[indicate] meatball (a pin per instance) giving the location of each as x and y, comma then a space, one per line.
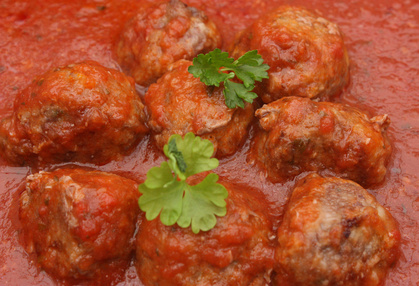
305, 52
82, 112
180, 103
335, 233
301, 135
79, 222
237, 251
160, 35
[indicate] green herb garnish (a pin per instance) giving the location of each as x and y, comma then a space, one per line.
211, 67
165, 192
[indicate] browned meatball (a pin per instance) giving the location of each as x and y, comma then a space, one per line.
237, 251
180, 103
160, 35
79, 222
306, 54
301, 135
82, 112
335, 233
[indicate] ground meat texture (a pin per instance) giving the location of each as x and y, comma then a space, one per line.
160, 35
305, 52
238, 251
300, 135
180, 103
335, 233
79, 222
81, 112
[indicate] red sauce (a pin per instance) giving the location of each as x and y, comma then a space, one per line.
382, 37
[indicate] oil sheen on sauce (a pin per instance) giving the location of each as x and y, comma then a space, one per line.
382, 37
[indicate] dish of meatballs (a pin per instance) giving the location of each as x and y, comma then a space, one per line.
191, 142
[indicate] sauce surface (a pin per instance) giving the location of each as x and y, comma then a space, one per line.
382, 37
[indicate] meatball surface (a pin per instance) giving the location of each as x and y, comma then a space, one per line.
301, 135
180, 103
160, 35
79, 222
237, 251
81, 112
335, 233
305, 52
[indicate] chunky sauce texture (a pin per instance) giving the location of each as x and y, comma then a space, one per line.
382, 37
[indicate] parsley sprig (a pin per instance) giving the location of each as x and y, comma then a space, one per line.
211, 68
165, 192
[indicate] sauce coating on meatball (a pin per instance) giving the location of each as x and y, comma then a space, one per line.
78, 222
299, 135
237, 251
180, 103
305, 52
335, 233
161, 35
81, 112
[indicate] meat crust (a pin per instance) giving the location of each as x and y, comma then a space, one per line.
79, 223
81, 112
305, 52
237, 251
299, 135
160, 35
180, 103
335, 233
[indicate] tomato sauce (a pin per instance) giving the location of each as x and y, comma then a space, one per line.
382, 37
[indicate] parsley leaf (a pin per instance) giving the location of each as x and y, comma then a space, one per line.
165, 192
235, 93
201, 203
211, 68
250, 68
195, 151
206, 67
